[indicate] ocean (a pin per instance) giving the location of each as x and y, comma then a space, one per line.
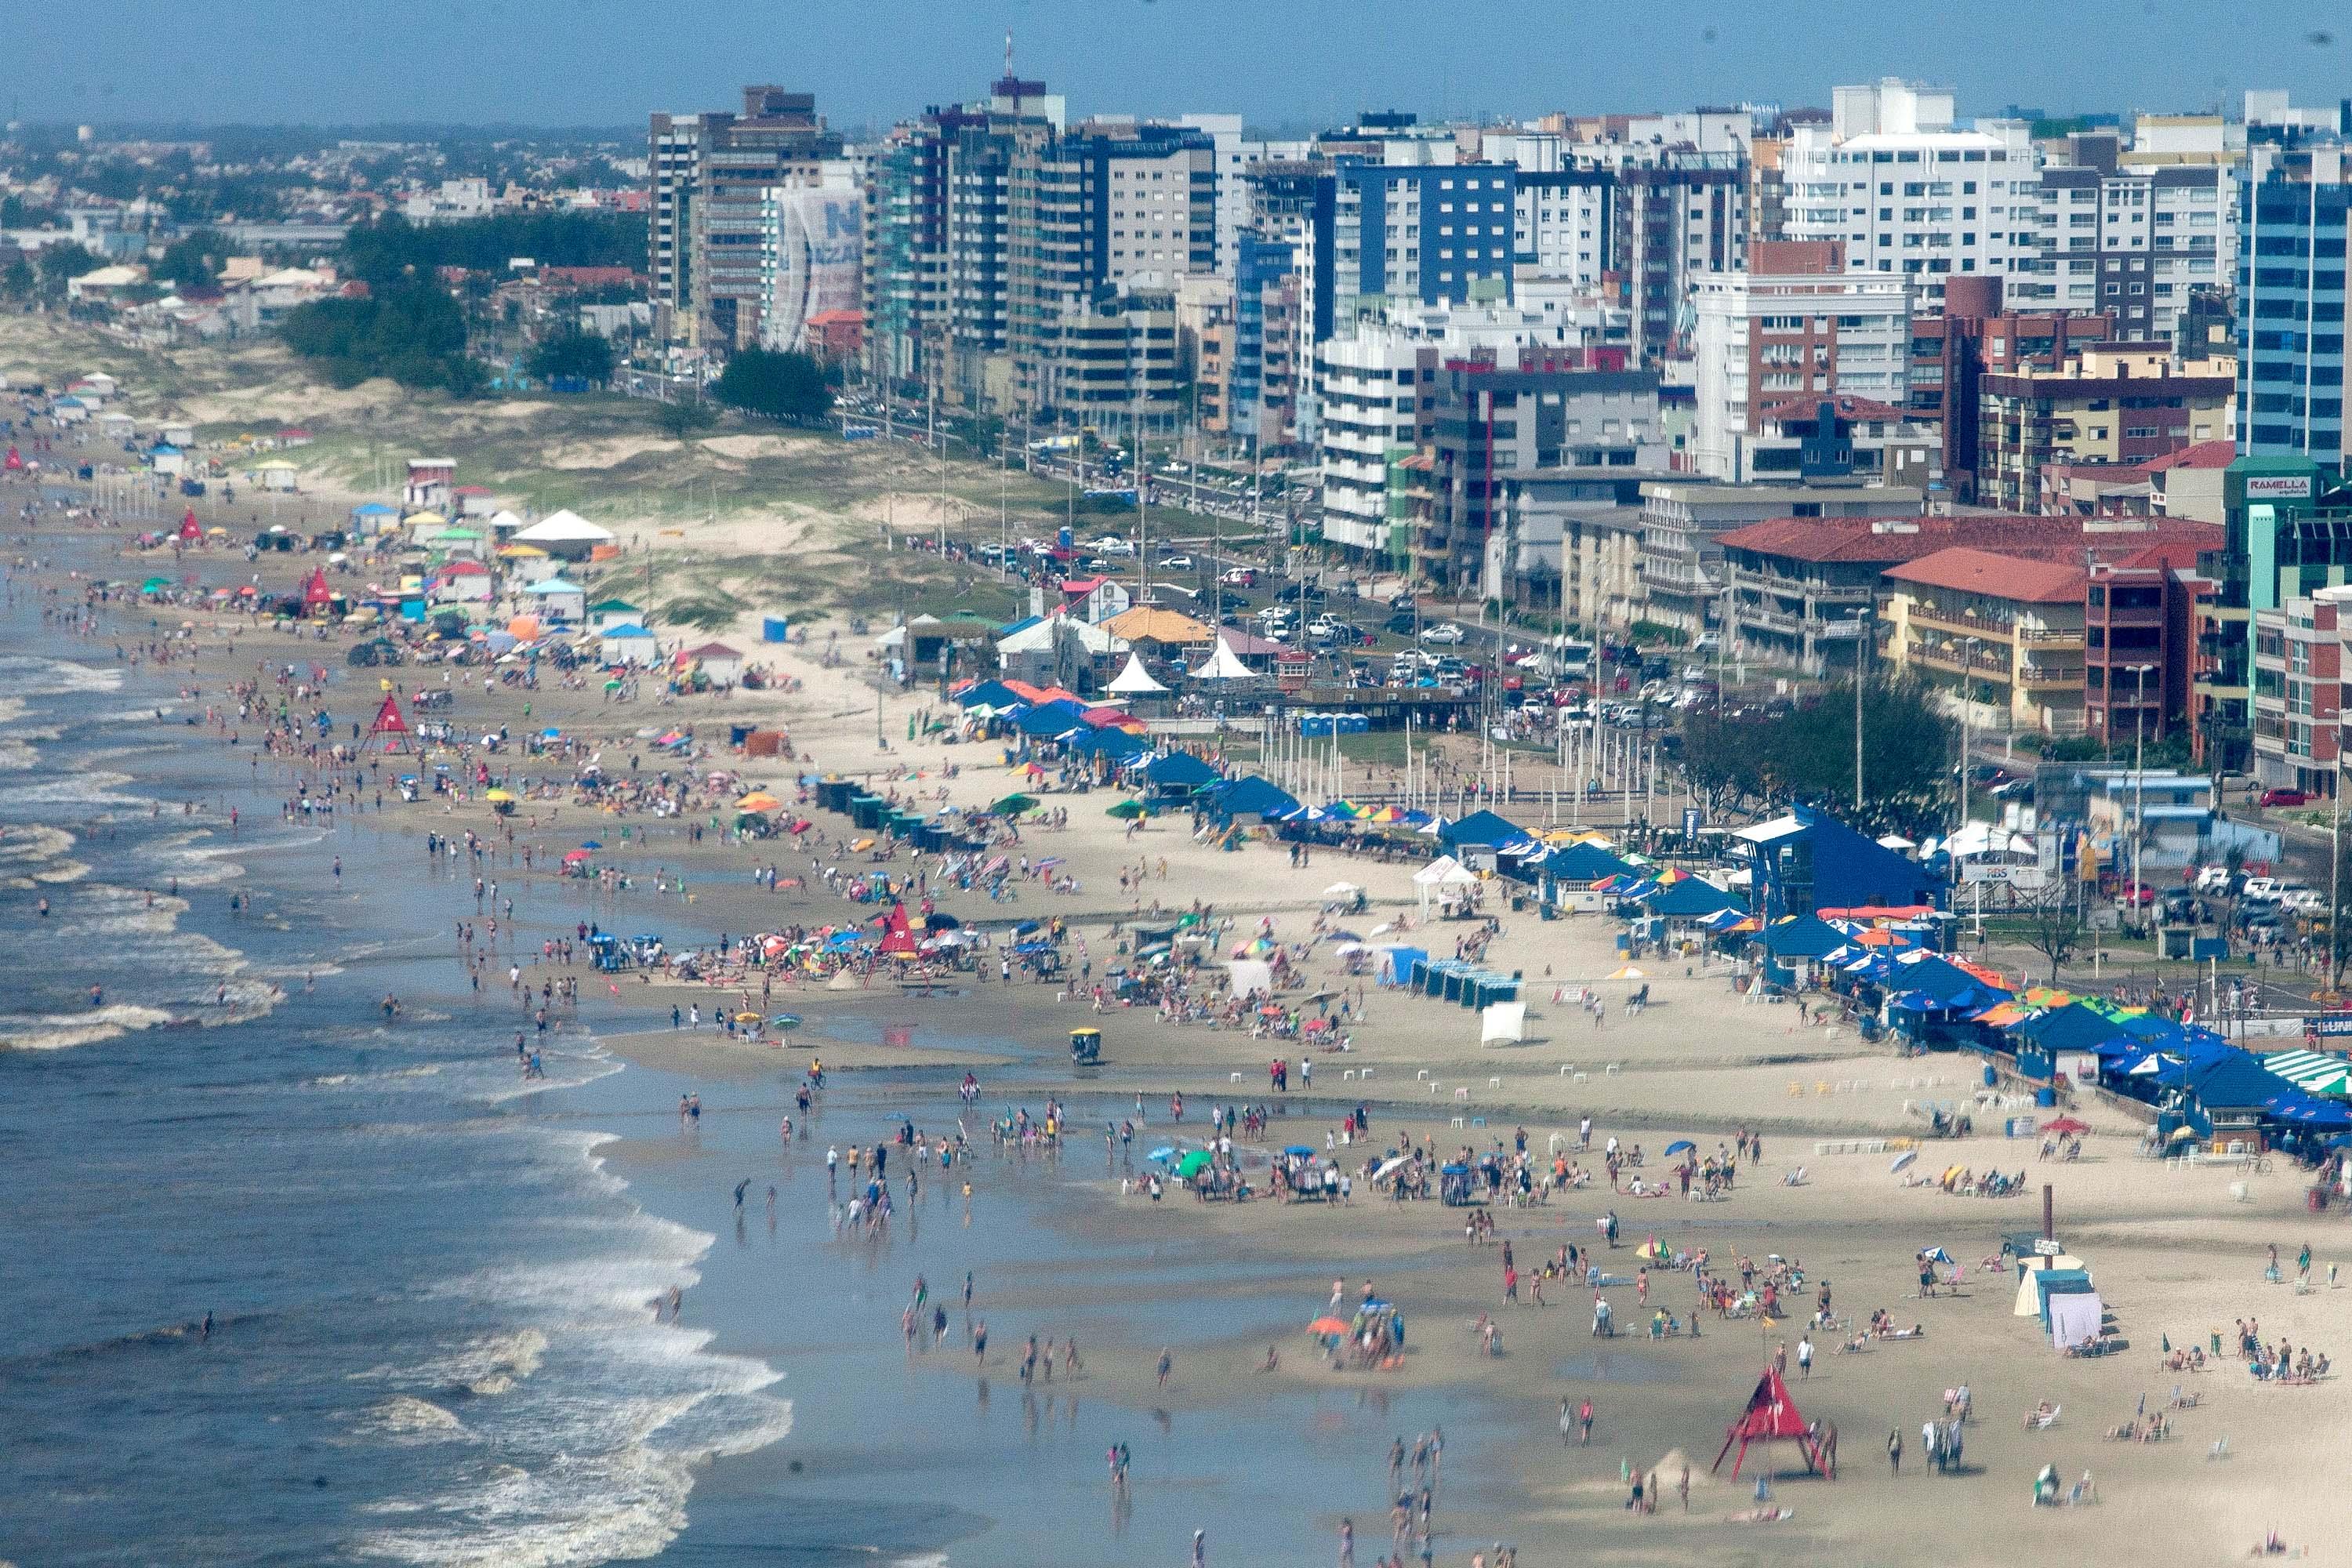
431, 1284
431, 1339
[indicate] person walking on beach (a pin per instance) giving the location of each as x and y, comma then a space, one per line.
1200, 1548
1167, 1365
1347, 1529
1895, 1451
1584, 1424
1804, 1358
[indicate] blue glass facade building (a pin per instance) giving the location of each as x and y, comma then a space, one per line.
2291, 300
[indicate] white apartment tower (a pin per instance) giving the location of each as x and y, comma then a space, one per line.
1910, 195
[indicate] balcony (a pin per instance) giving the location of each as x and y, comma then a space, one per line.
2049, 676
1957, 661
1784, 622
1969, 623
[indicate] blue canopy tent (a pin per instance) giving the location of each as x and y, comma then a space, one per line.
1176, 775
1934, 992
1690, 898
1049, 720
1584, 863
1485, 829
990, 694
1805, 936
2041, 1039
1248, 798
2232, 1091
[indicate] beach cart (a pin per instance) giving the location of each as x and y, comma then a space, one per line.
1086, 1047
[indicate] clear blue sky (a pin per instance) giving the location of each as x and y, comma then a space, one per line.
1277, 61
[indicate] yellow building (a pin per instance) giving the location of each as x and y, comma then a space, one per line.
2002, 633
2122, 404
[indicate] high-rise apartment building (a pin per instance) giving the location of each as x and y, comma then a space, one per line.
2135, 239
1675, 221
2291, 299
1103, 220
1909, 192
938, 246
1424, 233
1796, 327
709, 175
1976, 336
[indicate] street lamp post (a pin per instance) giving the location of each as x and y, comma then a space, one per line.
1968, 701
2139, 771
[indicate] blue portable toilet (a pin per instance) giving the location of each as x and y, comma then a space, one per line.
774, 628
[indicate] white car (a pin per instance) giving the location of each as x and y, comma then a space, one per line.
2212, 879
1444, 632
1112, 544
2260, 889
1177, 563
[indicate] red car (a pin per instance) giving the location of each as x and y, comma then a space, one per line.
2285, 797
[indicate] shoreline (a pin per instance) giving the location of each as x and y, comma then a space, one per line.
1697, 1063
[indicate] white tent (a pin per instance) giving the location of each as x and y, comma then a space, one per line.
506, 521
1223, 665
1252, 975
2074, 1318
1981, 838
1503, 1021
565, 527
1135, 680
1444, 871
1040, 636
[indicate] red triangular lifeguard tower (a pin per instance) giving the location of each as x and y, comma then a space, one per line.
897, 934
317, 597
389, 724
1772, 1417
190, 532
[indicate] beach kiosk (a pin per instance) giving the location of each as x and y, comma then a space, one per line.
1086, 1047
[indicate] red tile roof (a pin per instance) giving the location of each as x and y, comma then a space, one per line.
2012, 577
1807, 405
2202, 455
1895, 539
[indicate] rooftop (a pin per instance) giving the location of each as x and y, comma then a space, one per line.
1898, 539
2014, 577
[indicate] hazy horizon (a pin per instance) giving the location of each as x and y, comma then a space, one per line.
592, 66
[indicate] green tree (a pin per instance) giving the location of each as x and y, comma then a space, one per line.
413, 333
681, 422
17, 281
193, 260
60, 263
1806, 755
573, 353
787, 386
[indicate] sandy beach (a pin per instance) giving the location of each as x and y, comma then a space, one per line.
2178, 1253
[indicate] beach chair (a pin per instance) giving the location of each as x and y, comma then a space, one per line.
2042, 1420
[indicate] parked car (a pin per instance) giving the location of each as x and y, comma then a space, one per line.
1176, 563
2271, 797
2260, 889
1444, 632
1402, 623
2212, 879
1239, 577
